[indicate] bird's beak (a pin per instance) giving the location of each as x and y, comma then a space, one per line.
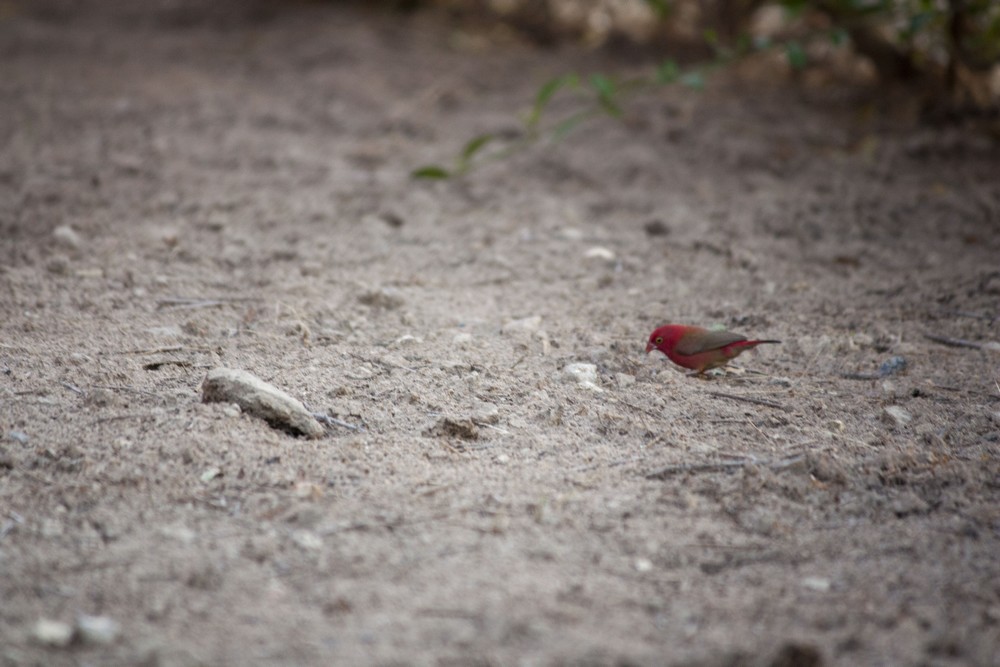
649, 347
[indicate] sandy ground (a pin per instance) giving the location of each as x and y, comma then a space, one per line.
236, 193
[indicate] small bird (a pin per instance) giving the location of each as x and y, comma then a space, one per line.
697, 348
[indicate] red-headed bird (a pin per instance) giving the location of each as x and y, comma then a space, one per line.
697, 348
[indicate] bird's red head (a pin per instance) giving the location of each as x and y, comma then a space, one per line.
664, 338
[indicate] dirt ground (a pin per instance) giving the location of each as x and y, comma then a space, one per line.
181, 191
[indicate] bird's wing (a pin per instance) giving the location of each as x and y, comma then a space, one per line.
704, 341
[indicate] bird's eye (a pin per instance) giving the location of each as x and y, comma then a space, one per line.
659, 339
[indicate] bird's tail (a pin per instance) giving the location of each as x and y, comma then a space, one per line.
762, 342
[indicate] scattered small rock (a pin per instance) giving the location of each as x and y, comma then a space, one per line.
385, 298
462, 339
58, 265
100, 398
643, 565
67, 237
656, 228
897, 415
258, 398
96, 630
307, 540
231, 410
891, 366
794, 654
392, 219
210, 474
600, 253
820, 584
179, 533
528, 324
465, 429
18, 437
624, 379
79, 359
583, 374
908, 502
52, 633
405, 340
824, 468
485, 413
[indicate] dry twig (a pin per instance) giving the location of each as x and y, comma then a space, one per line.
749, 399
722, 466
954, 342
327, 420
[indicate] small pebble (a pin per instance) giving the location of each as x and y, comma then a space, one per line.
583, 374
891, 366
600, 253
570, 234
385, 298
908, 502
624, 379
462, 339
656, 228
52, 633
307, 540
643, 565
524, 324
57, 264
97, 630
179, 533
485, 413
821, 584
67, 237
897, 415
405, 340
19, 437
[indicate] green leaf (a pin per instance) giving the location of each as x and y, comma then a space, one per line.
474, 146
668, 72
606, 93
431, 172
838, 36
796, 55
660, 7
918, 22
545, 93
794, 8
610, 107
693, 80
568, 125
604, 86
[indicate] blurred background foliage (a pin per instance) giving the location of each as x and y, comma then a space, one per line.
946, 51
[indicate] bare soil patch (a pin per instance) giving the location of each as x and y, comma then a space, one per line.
177, 195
